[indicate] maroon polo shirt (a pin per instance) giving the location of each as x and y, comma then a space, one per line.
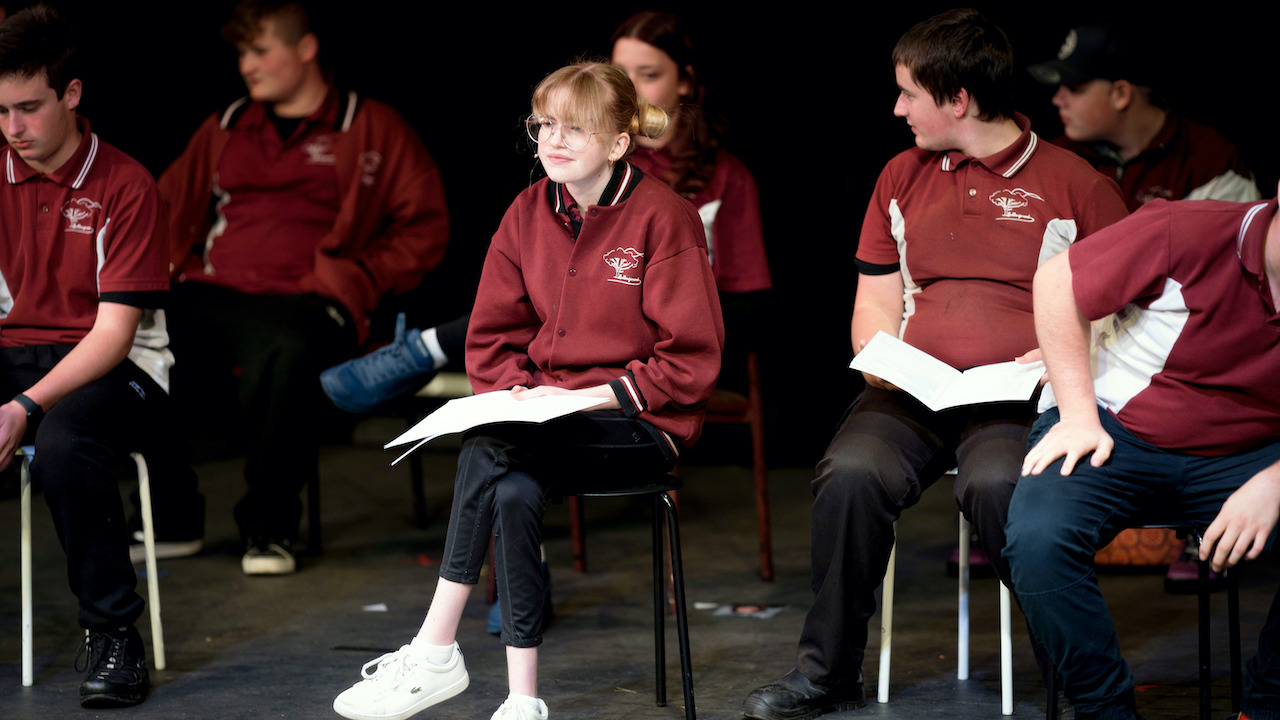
1190, 359
80, 235
276, 199
967, 234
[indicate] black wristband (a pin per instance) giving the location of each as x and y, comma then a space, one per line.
34, 411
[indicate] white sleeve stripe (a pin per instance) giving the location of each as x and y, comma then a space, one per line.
675, 449
100, 245
636, 398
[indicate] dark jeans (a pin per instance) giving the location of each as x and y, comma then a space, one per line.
1057, 523
888, 451
82, 442
267, 351
505, 473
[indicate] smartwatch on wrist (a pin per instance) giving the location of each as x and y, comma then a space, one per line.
34, 411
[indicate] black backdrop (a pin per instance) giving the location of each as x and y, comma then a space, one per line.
810, 92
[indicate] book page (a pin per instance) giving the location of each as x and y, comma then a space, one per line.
917, 372
462, 414
938, 385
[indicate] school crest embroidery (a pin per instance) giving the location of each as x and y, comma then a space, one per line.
625, 264
319, 150
1011, 201
81, 214
370, 161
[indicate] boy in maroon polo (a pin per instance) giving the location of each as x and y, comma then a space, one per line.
78, 264
1162, 339
322, 202
952, 237
1113, 116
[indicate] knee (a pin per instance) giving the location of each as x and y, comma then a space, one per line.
859, 471
517, 495
1040, 538
987, 487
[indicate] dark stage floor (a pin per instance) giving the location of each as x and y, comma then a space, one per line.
242, 647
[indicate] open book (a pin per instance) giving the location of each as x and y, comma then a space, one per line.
940, 386
465, 413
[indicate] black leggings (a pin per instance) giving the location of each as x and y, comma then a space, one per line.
505, 473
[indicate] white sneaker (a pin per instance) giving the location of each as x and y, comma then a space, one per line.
520, 709
400, 684
269, 558
165, 549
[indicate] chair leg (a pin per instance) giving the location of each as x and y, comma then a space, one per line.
153, 576
1233, 621
28, 673
577, 534
886, 626
682, 617
962, 619
659, 615
1203, 613
1006, 650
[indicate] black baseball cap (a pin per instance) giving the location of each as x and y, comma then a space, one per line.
1090, 52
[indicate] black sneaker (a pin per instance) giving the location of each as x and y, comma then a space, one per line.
117, 664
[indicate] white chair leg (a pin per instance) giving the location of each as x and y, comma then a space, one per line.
153, 578
28, 674
962, 619
1006, 650
886, 625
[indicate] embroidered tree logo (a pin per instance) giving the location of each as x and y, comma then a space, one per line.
1011, 200
622, 261
78, 210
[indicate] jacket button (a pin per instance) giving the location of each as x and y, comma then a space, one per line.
560, 333
572, 272
594, 212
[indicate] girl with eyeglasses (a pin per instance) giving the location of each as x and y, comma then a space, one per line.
597, 284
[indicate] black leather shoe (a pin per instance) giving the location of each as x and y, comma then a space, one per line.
796, 697
117, 666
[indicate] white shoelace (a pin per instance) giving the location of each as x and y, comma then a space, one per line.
390, 667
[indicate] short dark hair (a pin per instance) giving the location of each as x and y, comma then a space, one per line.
961, 49
293, 21
38, 40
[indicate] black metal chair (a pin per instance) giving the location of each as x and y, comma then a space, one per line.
1203, 591
659, 489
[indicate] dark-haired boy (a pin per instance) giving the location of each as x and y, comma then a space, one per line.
78, 266
952, 237
291, 214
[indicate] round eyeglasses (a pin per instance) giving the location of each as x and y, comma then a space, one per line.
542, 129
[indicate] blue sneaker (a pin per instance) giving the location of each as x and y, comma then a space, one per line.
363, 384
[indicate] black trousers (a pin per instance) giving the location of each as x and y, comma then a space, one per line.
890, 449
505, 473
263, 354
81, 445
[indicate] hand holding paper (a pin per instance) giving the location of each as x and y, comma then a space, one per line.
940, 386
465, 413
